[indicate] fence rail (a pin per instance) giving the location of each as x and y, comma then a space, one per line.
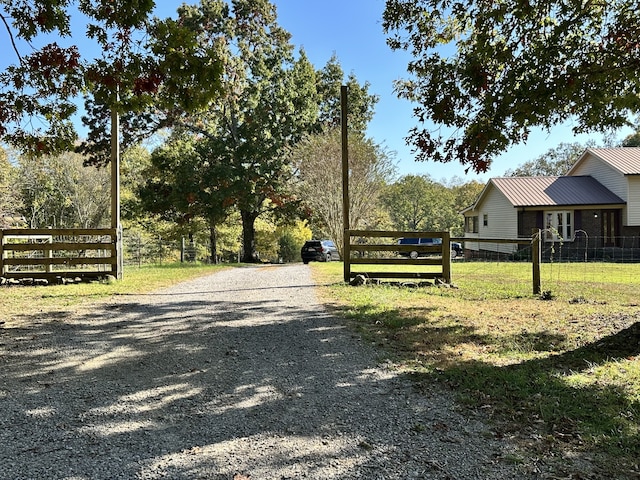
58, 253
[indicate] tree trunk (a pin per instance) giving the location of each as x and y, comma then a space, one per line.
213, 239
249, 253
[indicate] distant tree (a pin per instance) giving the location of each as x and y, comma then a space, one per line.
464, 195
10, 201
487, 73
555, 162
60, 192
632, 140
410, 202
361, 104
134, 164
418, 203
318, 159
291, 239
288, 248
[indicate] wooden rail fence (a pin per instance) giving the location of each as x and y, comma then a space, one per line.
437, 261
58, 253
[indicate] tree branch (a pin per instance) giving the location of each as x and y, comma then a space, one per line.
13, 43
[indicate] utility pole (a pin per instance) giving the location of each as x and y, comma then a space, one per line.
346, 237
115, 191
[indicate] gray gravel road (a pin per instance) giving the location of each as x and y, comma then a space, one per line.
242, 374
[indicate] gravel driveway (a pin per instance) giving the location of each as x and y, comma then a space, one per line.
241, 374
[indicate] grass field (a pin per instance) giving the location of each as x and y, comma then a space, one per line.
18, 303
560, 371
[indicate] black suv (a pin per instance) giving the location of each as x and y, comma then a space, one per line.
319, 251
456, 248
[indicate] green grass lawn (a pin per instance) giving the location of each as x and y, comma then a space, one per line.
23, 302
559, 371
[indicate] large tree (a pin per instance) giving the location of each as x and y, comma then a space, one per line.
318, 158
185, 183
417, 202
268, 103
361, 103
486, 73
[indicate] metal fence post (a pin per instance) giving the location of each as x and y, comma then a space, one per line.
536, 257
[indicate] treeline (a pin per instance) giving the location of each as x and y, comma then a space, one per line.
168, 196
59, 191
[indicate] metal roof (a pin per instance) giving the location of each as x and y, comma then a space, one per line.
555, 191
626, 160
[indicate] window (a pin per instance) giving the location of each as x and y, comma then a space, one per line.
485, 220
471, 224
558, 226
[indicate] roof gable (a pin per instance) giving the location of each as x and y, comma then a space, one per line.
553, 191
625, 160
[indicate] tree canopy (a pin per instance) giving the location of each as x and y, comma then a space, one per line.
59, 192
555, 162
143, 66
361, 104
487, 73
632, 140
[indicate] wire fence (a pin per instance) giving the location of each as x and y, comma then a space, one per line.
143, 249
582, 264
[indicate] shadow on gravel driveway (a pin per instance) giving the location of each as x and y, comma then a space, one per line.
239, 374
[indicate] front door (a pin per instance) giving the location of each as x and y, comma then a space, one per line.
610, 228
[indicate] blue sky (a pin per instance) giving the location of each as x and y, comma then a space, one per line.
352, 29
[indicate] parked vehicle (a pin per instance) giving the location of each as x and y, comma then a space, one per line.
319, 251
456, 248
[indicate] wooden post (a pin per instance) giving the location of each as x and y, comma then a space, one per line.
1, 253
346, 237
115, 193
446, 257
536, 257
48, 253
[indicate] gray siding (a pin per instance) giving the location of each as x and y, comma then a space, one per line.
605, 174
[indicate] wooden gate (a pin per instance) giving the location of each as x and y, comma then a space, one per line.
58, 253
435, 258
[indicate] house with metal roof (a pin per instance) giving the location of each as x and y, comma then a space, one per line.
597, 201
